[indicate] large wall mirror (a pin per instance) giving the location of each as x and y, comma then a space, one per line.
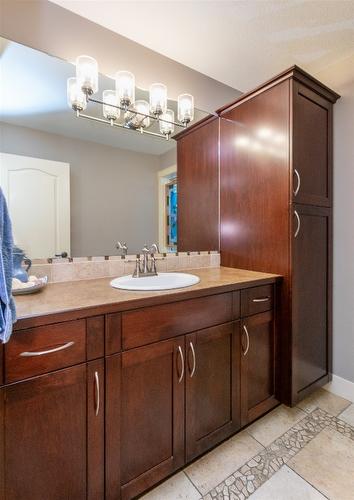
74, 185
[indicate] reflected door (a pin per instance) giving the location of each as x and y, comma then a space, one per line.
38, 196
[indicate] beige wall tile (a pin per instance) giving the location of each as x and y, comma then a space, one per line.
327, 462
116, 268
41, 270
326, 400
217, 465
178, 487
273, 425
63, 272
215, 259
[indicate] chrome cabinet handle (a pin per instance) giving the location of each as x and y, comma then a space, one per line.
298, 223
261, 299
97, 393
50, 351
182, 360
298, 182
248, 340
194, 360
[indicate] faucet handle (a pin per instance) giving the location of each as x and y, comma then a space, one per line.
154, 249
123, 247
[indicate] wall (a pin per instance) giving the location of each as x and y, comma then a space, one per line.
113, 191
59, 32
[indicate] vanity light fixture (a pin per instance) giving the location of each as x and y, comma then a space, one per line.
137, 114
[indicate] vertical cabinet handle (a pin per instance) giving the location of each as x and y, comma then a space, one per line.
194, 360
182, 361
298, 223
247, 339
297, 189
97, 394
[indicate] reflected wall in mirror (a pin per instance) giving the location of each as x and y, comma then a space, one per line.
74, 185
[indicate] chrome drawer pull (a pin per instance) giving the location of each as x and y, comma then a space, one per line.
298, 182
97, 394
50, 351
194, 360
182, 360
261, 299
298, 223
248, 340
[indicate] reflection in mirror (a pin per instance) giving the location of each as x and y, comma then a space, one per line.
77, 186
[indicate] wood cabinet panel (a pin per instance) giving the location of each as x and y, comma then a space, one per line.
66, 343
311, 299
212, 387
45, 437
198, 188
257, 366
152, 414
95, 337
113, 336
155, 323
257, 299
312, 147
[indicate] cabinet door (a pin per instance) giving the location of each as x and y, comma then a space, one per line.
152, 414
312, 147
212, 387
311, 301
257, 366
45, 434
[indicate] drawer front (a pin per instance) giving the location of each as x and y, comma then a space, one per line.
155, 323
44, 349
257, 299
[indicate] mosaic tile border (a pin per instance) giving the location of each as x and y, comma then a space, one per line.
255, 472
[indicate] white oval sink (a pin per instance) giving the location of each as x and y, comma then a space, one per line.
163, 281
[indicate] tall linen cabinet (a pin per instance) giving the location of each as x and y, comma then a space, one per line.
276, 214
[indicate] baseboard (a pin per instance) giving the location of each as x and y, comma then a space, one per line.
341, 387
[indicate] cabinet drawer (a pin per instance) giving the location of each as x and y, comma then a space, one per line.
257, 299
155, 323
44, 349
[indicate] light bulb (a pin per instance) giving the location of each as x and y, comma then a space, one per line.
166, 127
76, 97
158, 98
138, 119
185, 108
87, 74
125, 88
110, 112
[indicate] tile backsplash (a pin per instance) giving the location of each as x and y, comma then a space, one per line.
83, 268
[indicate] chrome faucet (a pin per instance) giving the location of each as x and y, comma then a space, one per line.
123, 248
146, 266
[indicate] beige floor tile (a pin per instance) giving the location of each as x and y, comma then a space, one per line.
178, 487
273, 425
348, 415
326, 400
287, 485
327, 463
217, 465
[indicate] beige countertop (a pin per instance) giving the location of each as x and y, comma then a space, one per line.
76, 299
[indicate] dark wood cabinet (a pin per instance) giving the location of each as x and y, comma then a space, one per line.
48, 423
311, 303
258, 357
198, 187
151, 414
212, 387
275, 150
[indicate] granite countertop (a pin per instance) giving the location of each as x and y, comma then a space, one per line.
96, 296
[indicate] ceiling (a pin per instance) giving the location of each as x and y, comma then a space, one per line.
240, 43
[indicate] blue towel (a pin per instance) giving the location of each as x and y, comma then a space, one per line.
7, 304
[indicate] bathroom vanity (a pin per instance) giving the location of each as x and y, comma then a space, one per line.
106, 392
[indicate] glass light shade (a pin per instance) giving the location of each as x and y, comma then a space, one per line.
87, 74
76, 97
137, 120
158, 98
185, 108
165, 127
110, 97
125, 87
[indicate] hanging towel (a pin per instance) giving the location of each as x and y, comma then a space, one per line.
7, 304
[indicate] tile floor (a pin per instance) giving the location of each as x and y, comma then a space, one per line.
301, 453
